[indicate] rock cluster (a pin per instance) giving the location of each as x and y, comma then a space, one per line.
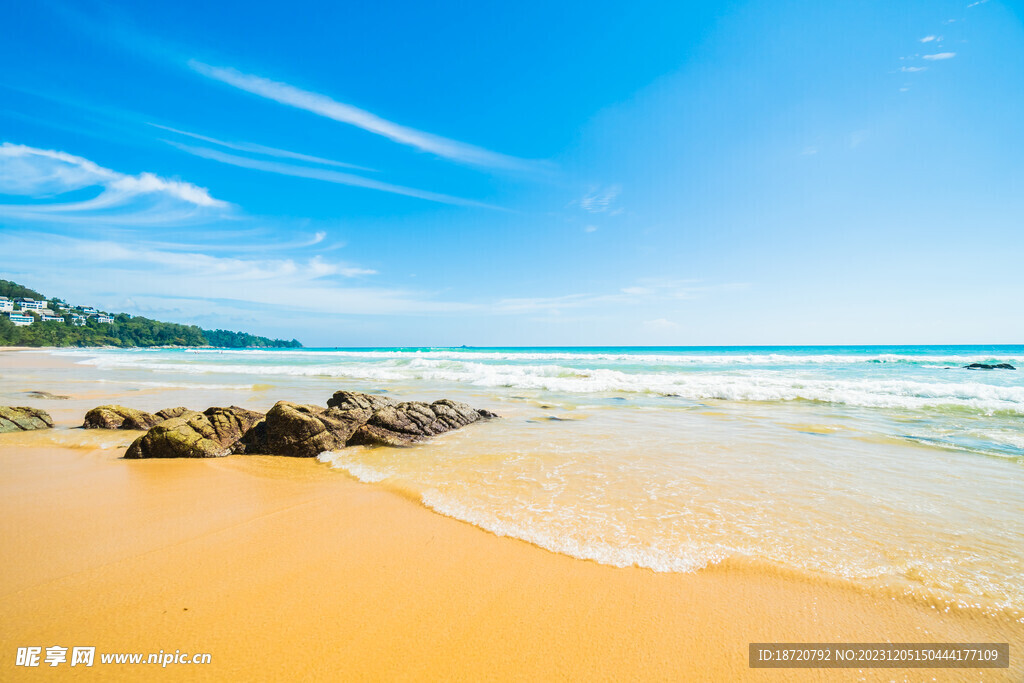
987, 366
23, 419
298, 430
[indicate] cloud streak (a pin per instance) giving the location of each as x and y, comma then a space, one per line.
264, 150
323, 105
326, 175
940, 56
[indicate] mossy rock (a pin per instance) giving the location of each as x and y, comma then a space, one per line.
119, 417
23, 419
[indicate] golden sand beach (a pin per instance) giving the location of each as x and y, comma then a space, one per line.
285, 569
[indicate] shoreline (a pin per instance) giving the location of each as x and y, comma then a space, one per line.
287, 567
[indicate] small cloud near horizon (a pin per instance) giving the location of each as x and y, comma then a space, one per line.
660, 324
940, 55
264, 150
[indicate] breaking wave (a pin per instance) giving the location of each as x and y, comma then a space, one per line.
927, 388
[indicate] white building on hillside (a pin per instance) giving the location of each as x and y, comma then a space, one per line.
78, 320
27, 304
46, 314
6, 305
104, 318
20, 319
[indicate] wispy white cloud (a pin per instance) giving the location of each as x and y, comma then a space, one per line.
326, 175
144, 198
859, 137
976, 3
288, 285
590, 228
928, 39
356, 272
940, 55
264, 150
645, 292
599, 199
913, 69
346, 113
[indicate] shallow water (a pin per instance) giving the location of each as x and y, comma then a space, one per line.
894, 468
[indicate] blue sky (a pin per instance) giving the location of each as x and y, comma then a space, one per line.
358, 174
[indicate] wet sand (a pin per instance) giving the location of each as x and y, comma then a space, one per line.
284, 569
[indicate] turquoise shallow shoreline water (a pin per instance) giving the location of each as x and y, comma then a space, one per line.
891, 467
901, 378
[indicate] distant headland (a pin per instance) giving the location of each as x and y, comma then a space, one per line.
28, 318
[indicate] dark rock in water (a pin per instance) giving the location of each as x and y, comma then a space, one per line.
306, 431
986, 366
23, 419
552, 418
406, 423
119, 417
168, 413
422, 419
46, 395
210, 434
371, 435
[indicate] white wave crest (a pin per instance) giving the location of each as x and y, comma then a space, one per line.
647, 557
632, 358
751, 385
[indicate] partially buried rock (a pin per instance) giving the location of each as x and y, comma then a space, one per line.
213, 433
23, 419
46, 395
305, 431
986, 366
119, 417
